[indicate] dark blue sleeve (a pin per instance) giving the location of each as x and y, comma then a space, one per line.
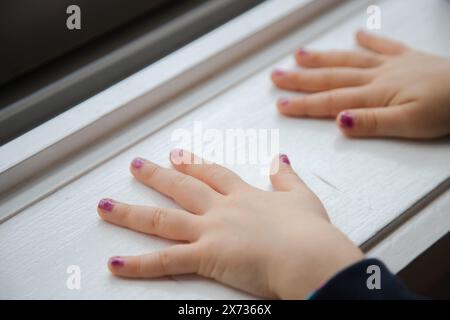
368, 279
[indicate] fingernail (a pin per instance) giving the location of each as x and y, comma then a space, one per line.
302, 52
106, 204
283, 102
116, 262
278, 73
284, 158
176, 155
137, 163
346, 120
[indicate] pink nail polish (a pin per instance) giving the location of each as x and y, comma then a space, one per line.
116, 262
284, 158
137, 163
106, 204
278, 73
346, 120
177, 156
283, 102
302, 52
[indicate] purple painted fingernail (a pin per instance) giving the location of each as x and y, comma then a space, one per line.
283, 102
302, 52
284, 158
137, 163
106, 204
278, 73
116, 262
347, 120
176, 155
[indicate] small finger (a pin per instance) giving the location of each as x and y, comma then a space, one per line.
283, 177
379, 44
376, 122
217, 177
324, 104
168, 223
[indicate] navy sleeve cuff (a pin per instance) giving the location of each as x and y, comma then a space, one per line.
368, 279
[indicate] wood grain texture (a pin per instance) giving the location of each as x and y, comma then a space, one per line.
364, 184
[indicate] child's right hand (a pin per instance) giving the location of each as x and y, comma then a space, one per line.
391, 91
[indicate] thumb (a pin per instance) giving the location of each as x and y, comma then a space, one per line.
283, 177
391, 121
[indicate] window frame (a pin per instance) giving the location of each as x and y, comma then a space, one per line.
33, 163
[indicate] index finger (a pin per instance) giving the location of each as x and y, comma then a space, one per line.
192, 194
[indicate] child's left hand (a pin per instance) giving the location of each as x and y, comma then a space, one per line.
272, 244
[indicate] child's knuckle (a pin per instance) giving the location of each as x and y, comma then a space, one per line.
158, 218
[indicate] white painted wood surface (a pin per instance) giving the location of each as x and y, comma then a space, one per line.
368, 182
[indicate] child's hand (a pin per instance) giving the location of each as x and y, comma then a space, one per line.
273, 244
391, 91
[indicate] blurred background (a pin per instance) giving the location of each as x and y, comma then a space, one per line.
46, 68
